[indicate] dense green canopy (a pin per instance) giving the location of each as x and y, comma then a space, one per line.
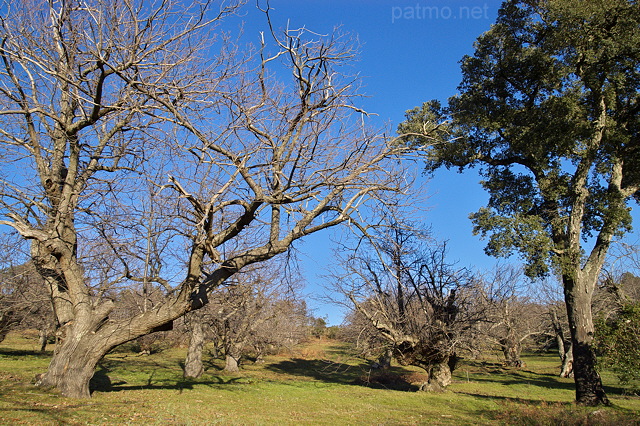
549, 108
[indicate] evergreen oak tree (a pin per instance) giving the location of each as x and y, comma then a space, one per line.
548, 110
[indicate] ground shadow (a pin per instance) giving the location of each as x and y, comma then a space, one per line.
510, 377
520, 378
526, 411
344, 374
179, 385
102, 382
22, 353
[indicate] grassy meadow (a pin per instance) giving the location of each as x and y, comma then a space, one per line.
320, 383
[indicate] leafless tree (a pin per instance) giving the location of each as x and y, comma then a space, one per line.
619, 284
100, 98
412, 296
511, 315
25, 302
549, 293
258, 309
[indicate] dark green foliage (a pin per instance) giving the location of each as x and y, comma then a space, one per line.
548, 109
618, 343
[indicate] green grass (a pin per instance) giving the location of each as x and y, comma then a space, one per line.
320, 383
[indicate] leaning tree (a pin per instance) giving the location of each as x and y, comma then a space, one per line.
548, 110
127, 125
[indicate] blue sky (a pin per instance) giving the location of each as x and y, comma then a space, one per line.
410, 53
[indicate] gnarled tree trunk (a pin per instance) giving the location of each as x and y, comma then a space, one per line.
439, 376
73, 365
83, 342
511, 348
384, 361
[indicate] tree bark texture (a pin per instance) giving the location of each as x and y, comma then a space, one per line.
73, 365
566, 370
511, 348
439, 377
193, 367
384, 361
578, 296
43, 335
83, 342
232, 363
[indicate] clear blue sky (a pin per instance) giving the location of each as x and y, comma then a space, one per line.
410, 53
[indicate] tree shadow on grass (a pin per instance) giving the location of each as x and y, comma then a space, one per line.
9, 352
515, 400
527, 411
344, 374
53, 413
179, 385
101, 382
510, 377
529, 378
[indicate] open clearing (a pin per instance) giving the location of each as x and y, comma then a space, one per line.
318, 383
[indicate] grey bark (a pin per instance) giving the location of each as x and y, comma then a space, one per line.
43, 335
193, 366
566, 370
232, 363
439, 377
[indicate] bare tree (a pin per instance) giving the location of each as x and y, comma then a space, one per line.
412, 297
25, 302
511, 315
559, 323
359, 331
99, 98
257, 310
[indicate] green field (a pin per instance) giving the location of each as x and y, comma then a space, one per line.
319, 383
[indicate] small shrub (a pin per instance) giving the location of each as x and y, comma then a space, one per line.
618, 343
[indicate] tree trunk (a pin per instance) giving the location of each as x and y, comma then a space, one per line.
259, 354
231, 363
511, 349
564, 347
43, 335
6, 319
566, 370
439, 377
384, 362
83, 342
578, 295
193, 367
73, 365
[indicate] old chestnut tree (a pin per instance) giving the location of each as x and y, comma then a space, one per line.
139, 144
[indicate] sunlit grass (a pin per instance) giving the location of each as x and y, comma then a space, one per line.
319, 383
